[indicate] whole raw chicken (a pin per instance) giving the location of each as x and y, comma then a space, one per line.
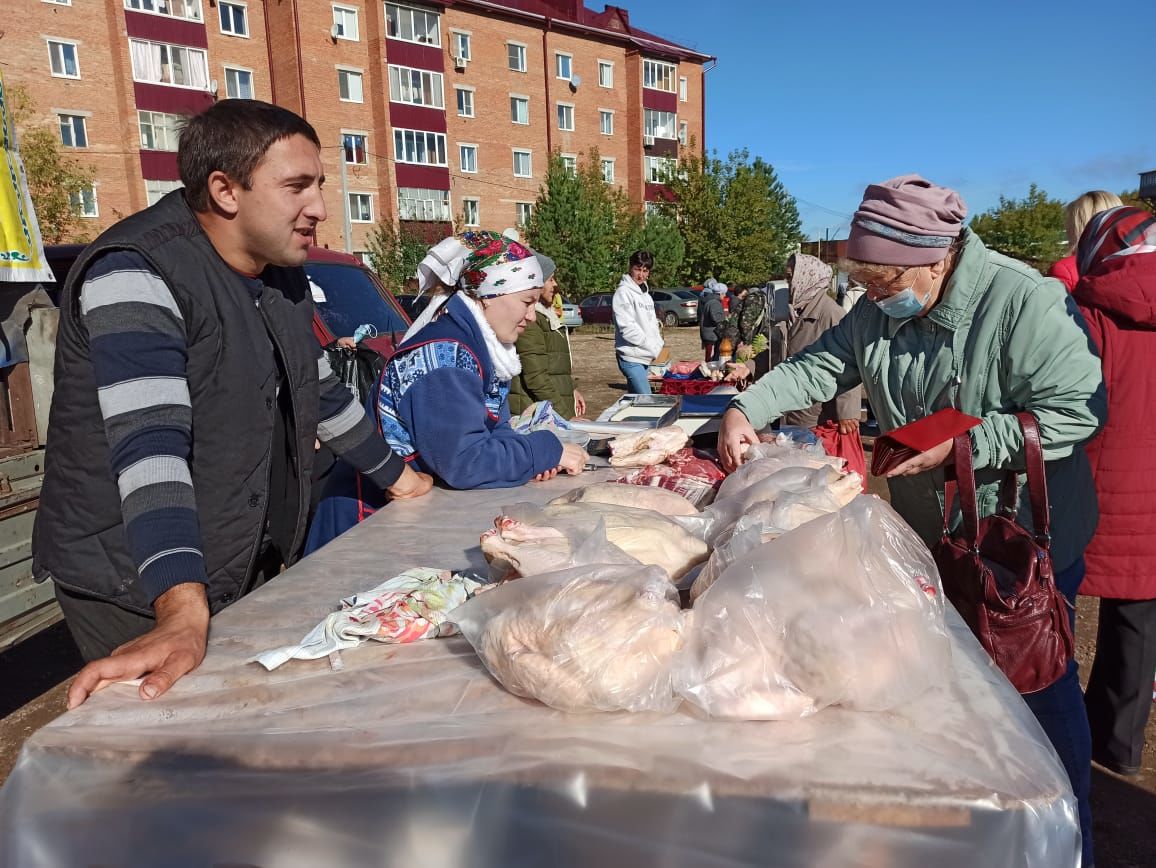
587, 639
647, 447
660, 500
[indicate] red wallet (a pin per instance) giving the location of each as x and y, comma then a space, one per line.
916, 437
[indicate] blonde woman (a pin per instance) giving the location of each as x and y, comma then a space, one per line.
1077, 213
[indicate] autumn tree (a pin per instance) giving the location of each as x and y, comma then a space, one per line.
1029, 229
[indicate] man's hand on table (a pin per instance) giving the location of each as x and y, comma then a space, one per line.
735, 434
172, 649
573, 461
410, 484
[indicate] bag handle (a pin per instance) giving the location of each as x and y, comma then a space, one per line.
964, 483
1037, 479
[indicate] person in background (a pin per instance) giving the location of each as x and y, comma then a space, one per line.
1077, 213
711, 317
1116, 258
189, 394
812, 313
441, 403
954, 324
544, 352
637, 336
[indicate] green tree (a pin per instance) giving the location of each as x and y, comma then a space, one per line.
659, 234
1132, 197
53, 177
583, 224
395, 253
1029, 229
696, 208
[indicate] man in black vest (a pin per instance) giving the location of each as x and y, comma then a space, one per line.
189, 393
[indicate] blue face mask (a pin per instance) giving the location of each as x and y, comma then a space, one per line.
901, 305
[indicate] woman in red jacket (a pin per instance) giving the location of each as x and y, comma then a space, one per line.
1117, 295
1077, 213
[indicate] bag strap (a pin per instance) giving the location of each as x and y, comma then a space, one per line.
964, 483
1037, 479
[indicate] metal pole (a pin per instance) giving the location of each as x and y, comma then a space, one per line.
347, 230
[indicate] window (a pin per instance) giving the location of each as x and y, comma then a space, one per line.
354, 146
59, 2
238, 83
412, 25
190, 9
653, 209
84, 202
62, 57
465, 101
345, 19
516, 56
563, 64
682, 135
420, 147
523, 212
520, 109
158, 131
161, 63
608, 171
657, 169
157, 190
682, 88
349, 85
73, 131
565, 117
416, 87
605, 73
468, 154
470, 215
606, 122
461, 44
658, 75
360, 208
570, 163
658, 124
233, 19
418, 204
522, 164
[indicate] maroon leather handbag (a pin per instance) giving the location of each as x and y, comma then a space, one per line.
1000, 577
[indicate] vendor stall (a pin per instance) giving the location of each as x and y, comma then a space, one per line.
413, 755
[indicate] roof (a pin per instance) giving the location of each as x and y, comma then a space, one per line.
612, 22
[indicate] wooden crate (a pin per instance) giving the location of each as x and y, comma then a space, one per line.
17, 410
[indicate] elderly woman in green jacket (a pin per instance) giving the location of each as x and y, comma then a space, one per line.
954, 324
545, 354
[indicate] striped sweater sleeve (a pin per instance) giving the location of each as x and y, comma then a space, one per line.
139, 353
346, 429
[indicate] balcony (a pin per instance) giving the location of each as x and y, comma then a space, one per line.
1148, 185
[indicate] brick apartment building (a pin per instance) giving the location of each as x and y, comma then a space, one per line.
427, 112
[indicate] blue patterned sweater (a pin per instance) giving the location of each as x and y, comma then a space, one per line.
441, 407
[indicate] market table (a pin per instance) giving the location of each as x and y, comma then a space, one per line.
413, 756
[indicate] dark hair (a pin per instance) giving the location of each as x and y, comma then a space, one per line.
641, 259
231, 137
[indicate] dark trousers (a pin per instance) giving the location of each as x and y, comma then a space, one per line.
1118, 698
99, 627
709, 350
1060, 711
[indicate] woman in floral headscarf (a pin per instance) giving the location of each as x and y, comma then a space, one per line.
441, 401
1116, 294
812, 312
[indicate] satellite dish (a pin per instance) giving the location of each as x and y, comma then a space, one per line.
334, 31
575, 80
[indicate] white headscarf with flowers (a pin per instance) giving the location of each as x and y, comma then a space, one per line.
486, 265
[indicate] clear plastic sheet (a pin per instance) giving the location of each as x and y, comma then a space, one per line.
846, 609
592, 638
413, 755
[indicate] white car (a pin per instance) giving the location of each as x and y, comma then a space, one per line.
571, 316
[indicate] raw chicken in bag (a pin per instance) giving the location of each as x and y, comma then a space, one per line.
845, 610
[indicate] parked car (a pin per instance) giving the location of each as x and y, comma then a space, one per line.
412, 304
346, 295
596, 309
675, 307
571, 315
697, 292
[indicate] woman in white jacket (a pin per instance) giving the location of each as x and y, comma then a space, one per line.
637, 338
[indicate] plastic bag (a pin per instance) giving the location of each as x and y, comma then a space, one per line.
662, 500
522, 543
844, 610
849, 447
595, 638
643, 534
745, 537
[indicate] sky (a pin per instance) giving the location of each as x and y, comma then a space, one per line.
985, 97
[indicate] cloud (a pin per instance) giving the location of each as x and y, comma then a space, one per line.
1113, 165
